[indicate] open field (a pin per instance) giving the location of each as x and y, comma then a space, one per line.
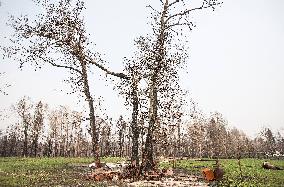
68, 172
46, 171
252, 172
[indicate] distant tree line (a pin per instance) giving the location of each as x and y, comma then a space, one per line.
41, 131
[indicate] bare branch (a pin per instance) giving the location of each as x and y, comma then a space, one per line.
204, 5
120, 75
149, 6
178, 23
61, 66
171, 4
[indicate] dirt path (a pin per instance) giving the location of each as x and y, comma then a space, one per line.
169, 182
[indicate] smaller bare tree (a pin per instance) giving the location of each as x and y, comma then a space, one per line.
37, 125
23, 109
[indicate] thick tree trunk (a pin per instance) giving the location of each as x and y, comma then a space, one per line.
148, 157
94, 130
134, 125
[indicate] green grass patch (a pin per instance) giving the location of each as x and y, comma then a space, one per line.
68, 171
252, 172
46, 171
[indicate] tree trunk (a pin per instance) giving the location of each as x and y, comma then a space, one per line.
25, 148
121, 141
95, 137
148, 158
35, 145
134, 125
178, 154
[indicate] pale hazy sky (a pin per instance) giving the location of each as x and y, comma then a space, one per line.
236, 63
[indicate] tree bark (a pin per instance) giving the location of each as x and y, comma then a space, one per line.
148, 158
134, 125
35, 145
94, 130
25, 149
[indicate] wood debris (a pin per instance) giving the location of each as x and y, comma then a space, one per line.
267, 165
130, 174
208, 174
215, 174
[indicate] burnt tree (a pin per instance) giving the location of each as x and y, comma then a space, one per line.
23, 109
165, 54
58, 37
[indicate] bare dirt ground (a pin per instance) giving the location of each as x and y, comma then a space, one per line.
180, 178
170, 182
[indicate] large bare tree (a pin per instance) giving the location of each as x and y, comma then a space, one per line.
58, 37
165, 55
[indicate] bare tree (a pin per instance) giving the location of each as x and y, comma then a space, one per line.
165, 55
269, 141
37, 125
53, 136
105, 132
23, 109
12, 141
121, 127
196, 133
134, 93
65, 134
280, 142
75, 133
196, 130
216, 135
237, 144
58, 37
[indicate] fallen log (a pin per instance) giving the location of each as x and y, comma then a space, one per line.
208, 174
213, 175
267, 165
